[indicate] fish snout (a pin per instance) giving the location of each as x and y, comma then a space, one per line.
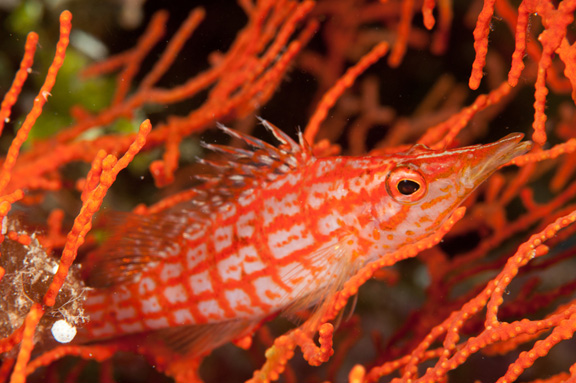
483, 160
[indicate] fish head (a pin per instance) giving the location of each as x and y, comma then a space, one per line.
423, 187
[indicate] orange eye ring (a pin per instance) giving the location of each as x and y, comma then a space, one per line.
406, 185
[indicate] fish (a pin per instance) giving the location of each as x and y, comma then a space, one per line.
273, 229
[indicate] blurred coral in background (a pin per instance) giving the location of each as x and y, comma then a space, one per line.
106, 116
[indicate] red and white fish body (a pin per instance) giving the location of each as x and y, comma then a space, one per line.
277, 230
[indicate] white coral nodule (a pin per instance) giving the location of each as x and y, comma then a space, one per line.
63, 332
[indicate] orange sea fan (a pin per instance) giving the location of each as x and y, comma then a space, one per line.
490, 297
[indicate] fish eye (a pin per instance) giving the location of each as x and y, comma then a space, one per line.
406, 185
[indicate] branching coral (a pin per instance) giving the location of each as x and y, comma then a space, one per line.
494, 284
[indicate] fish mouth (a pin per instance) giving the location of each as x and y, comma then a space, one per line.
483, 160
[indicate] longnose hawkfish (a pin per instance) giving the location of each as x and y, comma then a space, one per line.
275, 230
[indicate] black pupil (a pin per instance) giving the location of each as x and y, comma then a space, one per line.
408, 187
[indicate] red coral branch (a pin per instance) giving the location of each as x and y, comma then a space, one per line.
11, 96
110, 167
493, 297
39, 101
330, 98
27, 344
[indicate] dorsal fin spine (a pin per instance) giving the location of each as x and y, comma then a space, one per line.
281, 136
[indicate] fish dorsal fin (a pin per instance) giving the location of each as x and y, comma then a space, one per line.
135, 242
418, 149
241, 170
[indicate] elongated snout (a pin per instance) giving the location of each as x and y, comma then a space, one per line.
483, 160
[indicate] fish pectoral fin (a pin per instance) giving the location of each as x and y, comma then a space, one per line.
346, 313
134, 242
201, 339
335, 265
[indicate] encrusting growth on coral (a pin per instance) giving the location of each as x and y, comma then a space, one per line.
492, 284
28, 272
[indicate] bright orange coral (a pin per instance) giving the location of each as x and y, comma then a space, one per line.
489, 283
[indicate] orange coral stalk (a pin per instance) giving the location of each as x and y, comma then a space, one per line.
465, 310
93, 177
443, 134
155, 31
11, 96
492, 295
346, 81
233, 93
174, 47
520, 50
107, 66
555, 23
357, 374
563, 148
403, 32
388, 368
163, 170
567, 54
8, 343
442, 35
82, 224
54, 236
6, 368
276, 358
32, 319
563, 331
481, 43
314, 355
39, 101
427, 9
98, 353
